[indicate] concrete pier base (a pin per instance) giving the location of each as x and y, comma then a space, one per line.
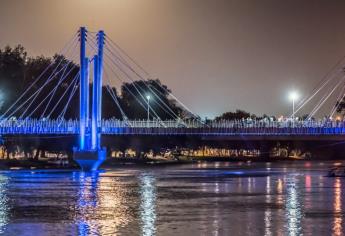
89, 160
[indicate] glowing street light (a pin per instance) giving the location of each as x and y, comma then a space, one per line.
293, 96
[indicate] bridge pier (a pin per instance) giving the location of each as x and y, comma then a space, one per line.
90, 155
90, 160
265, 149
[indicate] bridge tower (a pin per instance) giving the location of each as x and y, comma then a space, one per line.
89, 155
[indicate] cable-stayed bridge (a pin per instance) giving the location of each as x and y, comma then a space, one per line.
40, 113
172, 127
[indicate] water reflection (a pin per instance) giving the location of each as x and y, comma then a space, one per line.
337, 223
215, 212
280, 186
268, 211
172, 201
308, 192
105, 205
249, 185
4, 208
148, 204
308, 183
87, 202
293, 207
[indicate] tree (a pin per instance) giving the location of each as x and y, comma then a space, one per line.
134, 100
237, 115
58, 82
12, 69
19, 73
340, 105
49, 82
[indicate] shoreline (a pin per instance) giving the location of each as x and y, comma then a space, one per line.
15, 164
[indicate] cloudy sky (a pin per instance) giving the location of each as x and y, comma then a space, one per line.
215, 55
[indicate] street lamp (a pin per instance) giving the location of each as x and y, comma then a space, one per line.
148, 97
293, 97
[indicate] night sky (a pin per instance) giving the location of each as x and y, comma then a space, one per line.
215, 55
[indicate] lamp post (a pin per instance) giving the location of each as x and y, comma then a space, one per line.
293, 97
148, 97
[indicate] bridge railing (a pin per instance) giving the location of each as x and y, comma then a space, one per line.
173, 127
38, 126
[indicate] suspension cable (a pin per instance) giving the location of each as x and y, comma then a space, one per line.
58, 102
116, 46
66, 47
128, 89
325, 98
74, 89
171, 113
55, 89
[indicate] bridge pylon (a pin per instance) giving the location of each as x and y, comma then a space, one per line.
90, 155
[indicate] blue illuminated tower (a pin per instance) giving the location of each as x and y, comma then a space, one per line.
97, 93
90, 155
84, 91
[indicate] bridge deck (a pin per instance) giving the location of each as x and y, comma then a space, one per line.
231, 129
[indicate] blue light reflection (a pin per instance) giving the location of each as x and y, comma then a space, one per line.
87, 200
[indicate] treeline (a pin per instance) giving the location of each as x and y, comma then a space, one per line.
241, 114
20, 73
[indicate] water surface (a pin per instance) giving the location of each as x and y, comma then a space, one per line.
286, 198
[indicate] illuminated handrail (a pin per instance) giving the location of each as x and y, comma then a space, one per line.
173, 127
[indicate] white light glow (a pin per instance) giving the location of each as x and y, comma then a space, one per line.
293, 96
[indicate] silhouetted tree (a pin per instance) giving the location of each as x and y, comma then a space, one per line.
134, 100
340, 105
12, 74
18, 72
237, 115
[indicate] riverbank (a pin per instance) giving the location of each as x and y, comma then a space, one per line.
187, 159
13, 164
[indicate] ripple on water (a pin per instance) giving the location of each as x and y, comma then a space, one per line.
222, 199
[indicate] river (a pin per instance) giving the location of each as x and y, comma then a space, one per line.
278, 198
